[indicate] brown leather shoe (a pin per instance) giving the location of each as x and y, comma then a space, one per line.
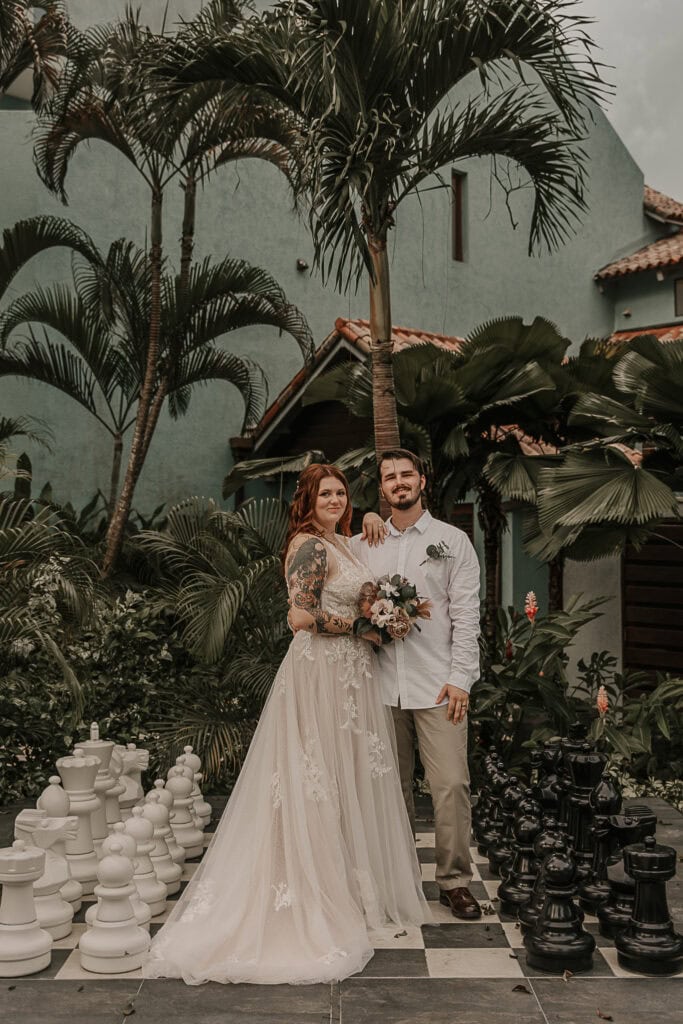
462, 903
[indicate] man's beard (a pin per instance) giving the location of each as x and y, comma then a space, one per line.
402, 502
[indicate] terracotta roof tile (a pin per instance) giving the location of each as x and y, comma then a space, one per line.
661, 206
671, 332
665, 252
358, 333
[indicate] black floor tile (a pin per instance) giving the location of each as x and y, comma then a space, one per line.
66, 1002
177, 895
396, 963
464, 936
57, 961
426, 854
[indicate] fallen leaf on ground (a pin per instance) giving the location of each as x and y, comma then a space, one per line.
513, 956
128, 1010
521, 988
399, 935
566, 975
604, 1016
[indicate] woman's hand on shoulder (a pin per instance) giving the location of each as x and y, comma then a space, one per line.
374, 529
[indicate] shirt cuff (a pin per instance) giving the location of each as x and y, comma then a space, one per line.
462, 681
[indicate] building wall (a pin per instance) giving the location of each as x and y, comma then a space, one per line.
641, 300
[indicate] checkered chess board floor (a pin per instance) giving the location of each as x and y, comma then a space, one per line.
489, 948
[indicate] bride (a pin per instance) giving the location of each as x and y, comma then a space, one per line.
314, 852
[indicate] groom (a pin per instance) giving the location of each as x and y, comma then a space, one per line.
426, 678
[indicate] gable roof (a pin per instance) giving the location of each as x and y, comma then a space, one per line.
665, 252
662, 207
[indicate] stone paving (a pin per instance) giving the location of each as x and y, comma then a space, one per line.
446, 973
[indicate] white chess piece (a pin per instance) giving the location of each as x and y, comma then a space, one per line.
134, 761
54, 801
78, 774
129, 848
24, 946
176, 851
201, 808
152, 890
166, 870
183, 823
106, 786
114, 943
53, 912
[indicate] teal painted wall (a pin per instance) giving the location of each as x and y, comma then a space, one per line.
246, 211
640, 300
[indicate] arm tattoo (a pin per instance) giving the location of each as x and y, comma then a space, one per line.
306, 574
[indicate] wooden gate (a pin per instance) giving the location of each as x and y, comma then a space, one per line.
653, 603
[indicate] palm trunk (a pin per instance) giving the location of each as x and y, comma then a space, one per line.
383, 387
118, 521
556, 584
152, 419
187, 239
492, 521
115, 474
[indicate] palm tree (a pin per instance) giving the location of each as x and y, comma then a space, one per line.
104, 96
104, 320
33, 44
20, 426
386, 95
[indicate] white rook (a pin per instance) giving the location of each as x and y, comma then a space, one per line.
24, 946
54, 913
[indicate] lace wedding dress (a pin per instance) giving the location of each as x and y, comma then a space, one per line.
314, 851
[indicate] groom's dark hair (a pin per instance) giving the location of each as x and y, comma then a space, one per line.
391, 454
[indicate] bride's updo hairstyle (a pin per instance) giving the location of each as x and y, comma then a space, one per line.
302, 509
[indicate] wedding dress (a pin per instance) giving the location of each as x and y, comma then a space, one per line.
314, 851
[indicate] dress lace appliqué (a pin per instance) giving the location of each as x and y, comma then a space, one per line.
283, 897
377, 754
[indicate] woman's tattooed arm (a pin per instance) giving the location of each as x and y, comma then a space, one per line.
306, 571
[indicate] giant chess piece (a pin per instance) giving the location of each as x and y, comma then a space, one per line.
649, 944
545, 843
500, 852
605, 800
548, 786
133, 760
201, 808
585, 767
176, 851
152, 890
569, 744
166, 869
106, 786
183, 822
491, 829
120, 841
54, 802
78, 774
114, 943
25, 947
626, 829
481, 809
517, 888
559, 942
53, 912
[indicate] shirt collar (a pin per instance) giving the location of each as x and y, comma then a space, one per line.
421, 524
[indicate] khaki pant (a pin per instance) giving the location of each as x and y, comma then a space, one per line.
443, 752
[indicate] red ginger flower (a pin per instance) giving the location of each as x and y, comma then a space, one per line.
531, 607
602, 701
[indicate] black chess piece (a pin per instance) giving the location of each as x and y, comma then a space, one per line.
547, 785
481, 810
492, 830
501, 851
649, 944
545, 843
569, 744
625, 829
518, 885
558, 941
585, 767
605, 800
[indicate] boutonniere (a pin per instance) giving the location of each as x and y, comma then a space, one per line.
439, 552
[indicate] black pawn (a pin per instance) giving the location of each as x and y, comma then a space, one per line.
626, 829
649, 944
586, 767
548, 786
559, 941
545, 843
605, 800
492, 830
517, 888
500, 852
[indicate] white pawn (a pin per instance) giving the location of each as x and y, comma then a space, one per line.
202, 809
55, 802
53, 912
134, 760
24, 946
183, 823
106, 786
176, 851
114, 943
166, 870
153, 891
78, 774
129, 848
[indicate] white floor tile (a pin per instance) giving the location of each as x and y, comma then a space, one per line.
472, 963
610, 955
425, 839
513, 933
397, 938
476, 857
72, 971
428, 872
492, 888
476, 876
70, 941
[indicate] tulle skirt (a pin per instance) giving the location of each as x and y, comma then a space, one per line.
314, 851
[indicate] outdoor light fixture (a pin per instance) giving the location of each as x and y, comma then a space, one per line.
626, 313
301, 265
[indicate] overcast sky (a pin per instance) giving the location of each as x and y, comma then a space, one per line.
643, 40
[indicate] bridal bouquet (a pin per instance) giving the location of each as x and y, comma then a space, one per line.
391, 606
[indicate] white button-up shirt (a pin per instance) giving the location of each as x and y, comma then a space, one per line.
446, 648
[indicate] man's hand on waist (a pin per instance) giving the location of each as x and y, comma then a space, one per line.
458, 702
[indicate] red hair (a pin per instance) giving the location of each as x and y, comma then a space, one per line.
302, 509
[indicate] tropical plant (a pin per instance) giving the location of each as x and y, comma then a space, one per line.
20, 426
103, 95
220, 575
387, 93
34, 38
105, 323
